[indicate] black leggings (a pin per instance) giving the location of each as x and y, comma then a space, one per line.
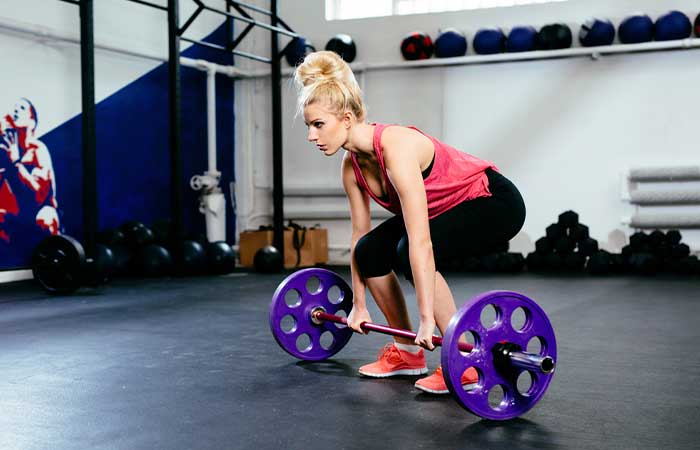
472, 228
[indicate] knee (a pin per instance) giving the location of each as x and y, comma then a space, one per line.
369, 258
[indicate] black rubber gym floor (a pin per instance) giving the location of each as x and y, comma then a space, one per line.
191, 364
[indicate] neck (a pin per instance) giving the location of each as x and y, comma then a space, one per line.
361, 140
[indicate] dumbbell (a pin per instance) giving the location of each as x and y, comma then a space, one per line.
60, 266
305, 322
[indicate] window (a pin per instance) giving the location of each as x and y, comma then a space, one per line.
356, 9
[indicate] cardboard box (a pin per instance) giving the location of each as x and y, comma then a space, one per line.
312, 242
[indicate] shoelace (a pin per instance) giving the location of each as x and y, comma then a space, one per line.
389, 352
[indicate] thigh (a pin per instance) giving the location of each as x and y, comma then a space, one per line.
476, 226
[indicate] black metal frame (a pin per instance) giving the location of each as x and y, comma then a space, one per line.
87, 84
175, 35
87, 66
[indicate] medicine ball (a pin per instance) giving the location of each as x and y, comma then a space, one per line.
220, 258
268, 260
697, 25
596, 32
489, 41
111, 237
136, 234
672, 25
636, 29
296, 50
450, 43
343, 45
154, 261
417, 45
521, 39
100, 268
189, 257
554, 36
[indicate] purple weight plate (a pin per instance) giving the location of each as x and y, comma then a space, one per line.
454, 362
292, 325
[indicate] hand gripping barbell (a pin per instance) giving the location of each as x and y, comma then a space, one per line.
304, 322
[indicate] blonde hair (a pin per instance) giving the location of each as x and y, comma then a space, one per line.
324, 77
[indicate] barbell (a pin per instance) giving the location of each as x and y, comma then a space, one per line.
304, 321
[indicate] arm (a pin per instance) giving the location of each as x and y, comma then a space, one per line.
402, 159
360, 219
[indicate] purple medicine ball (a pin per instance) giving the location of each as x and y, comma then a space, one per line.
450, 43
489, 41
521, 39
672, 25
636, 29
596, 32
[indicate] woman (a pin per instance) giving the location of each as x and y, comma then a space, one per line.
446, 204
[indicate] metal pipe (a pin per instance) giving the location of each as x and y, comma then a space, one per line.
224, 49
246, 20
523, 360
211, 119
189, 21
250, 7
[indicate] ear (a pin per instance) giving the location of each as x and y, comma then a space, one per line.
348, 117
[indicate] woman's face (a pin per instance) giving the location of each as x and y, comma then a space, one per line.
325, 129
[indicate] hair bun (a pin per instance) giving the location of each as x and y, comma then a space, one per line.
319, 67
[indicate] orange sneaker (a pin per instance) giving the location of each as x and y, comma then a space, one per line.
435, 383
393, 361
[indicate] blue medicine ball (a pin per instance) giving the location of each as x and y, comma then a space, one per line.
450, 43
297, 49
636, 29
596, 32
521, 39
673, 25
489, 41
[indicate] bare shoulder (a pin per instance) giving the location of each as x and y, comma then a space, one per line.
398, 140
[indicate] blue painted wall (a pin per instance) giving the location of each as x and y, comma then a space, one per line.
133, 162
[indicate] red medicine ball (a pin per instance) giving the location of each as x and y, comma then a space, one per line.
417, 45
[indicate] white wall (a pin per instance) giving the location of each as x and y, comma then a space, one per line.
117, 23
563, 130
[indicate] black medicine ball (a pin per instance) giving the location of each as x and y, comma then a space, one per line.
417, 45
554, 37
343, 45
297, 49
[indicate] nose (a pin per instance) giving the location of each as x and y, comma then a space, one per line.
313, 136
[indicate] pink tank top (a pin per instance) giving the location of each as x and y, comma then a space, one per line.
454, 178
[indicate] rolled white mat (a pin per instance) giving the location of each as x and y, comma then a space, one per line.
667, 197
683, 221
684, 173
